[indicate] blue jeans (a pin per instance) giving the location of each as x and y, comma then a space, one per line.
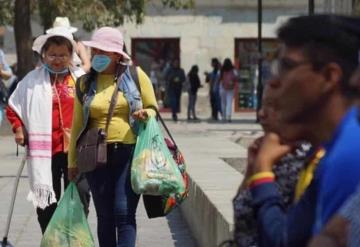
1, 113
191, 105
115, 201
175, 96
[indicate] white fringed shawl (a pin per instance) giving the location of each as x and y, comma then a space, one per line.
32, 101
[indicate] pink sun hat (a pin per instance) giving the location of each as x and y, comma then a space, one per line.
108, 39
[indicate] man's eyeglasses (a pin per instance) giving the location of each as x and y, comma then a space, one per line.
62, 58
280, 67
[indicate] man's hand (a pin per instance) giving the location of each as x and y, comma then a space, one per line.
20, 136
270, 151
252, 151
140, 115
72, 173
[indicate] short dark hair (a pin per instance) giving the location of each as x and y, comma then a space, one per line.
325, 39
57, 40
214, 60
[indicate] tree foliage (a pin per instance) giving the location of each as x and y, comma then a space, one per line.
92, 14
6, 11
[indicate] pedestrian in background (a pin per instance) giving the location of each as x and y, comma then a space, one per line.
115, 201
81, 58
213, 78
5, 74
40, 112
194, 85
228, 84
175, 78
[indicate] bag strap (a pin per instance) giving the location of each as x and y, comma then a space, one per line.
79, 93
114, 97
134, 75
164, 125
60, 108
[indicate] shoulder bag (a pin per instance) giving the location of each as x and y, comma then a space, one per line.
91, 146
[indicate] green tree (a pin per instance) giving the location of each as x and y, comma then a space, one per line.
92, 13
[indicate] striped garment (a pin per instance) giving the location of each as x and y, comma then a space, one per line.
32, 102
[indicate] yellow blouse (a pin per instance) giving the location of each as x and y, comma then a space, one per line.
119, 127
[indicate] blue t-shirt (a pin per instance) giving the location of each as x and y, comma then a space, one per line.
339, 171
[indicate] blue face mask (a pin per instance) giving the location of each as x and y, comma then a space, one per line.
51, 71
100, 62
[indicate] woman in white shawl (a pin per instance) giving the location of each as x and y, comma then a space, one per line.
40, 111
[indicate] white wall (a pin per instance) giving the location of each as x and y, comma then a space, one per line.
201, 37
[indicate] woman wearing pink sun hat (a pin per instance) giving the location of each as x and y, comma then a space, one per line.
111, 70
108, 39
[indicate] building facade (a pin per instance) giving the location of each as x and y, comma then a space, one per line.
221, 29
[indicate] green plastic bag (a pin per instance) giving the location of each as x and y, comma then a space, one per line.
153, 169
68, 226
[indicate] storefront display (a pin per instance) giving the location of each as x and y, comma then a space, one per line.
154, 56
246, 61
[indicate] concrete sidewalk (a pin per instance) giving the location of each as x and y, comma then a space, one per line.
205, 218
206, 145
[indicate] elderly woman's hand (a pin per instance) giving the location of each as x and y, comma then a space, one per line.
20, 136
140, 115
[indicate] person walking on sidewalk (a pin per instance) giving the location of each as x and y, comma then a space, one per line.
175, 77
228, 84
5, 74
115, 201
213, 78
40, 112
194, 85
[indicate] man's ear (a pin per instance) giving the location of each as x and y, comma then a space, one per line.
333, 74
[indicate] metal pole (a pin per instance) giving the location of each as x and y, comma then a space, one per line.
259, 88
311, 7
